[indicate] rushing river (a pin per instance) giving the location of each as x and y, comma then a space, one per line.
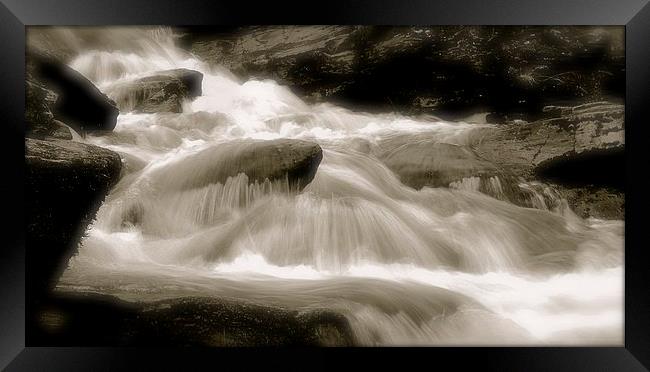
437, 266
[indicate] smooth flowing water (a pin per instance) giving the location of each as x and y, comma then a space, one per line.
436, 266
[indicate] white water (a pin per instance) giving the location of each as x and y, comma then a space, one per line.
439, 266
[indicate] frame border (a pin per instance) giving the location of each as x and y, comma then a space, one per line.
634, 14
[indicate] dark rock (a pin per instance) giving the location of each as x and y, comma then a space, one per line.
599, 202
449, 70
555, 111
40, 122
72, 320
295, 160
163, 92
65, 182
61, 131
577, 147
80, 104
601, 167
495, 118
38, 109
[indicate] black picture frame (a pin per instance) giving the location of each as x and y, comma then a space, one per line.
633, 14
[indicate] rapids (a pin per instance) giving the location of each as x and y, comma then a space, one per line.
437, 266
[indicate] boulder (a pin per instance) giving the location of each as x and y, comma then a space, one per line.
443, 69
580, 149
578, 129
276, 160
163, 92
65, 183
80, 104
70, 319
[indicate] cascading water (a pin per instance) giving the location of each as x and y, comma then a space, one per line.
438, 266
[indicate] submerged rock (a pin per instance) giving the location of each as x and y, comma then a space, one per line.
72, 320
163, 92
421, 163
65, 183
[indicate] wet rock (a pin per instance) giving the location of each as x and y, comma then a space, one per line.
163, 92
595, 126
71, 319
423, 162
602, 167
38, 110
577, 147
420, 161
447, 70
79, 103
40, 122
295, 161
599, 202
65, 182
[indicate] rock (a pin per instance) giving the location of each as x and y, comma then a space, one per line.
495, 118
420, 161
598, 126
599, 202
71, 319
447, 70
65, 182
163, 92
602, 167
38, 109
555, 111
38, 113
61, 131
80, 104
275, 160
580, 147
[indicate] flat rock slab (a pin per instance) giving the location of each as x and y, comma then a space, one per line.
581, 128
74, 319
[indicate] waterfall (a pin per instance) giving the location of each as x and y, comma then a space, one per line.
437, 266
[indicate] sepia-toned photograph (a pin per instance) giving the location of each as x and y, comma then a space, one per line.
325, 185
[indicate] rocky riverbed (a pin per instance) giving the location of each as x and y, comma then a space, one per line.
121, 150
